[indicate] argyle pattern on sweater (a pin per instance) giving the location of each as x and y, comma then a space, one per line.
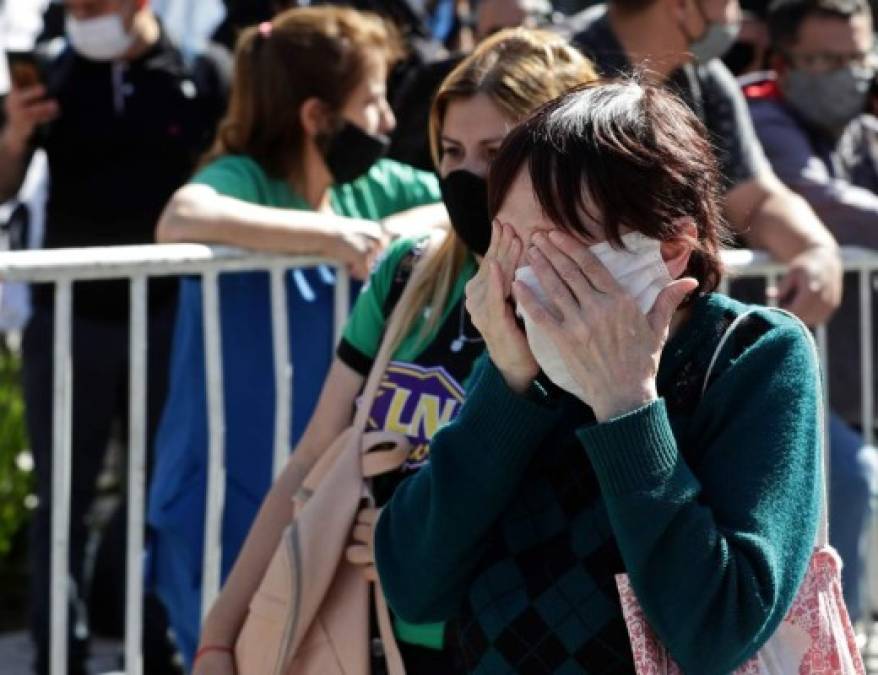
544, 599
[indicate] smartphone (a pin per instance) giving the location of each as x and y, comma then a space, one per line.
24, 70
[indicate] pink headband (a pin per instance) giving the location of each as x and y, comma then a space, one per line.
265, 29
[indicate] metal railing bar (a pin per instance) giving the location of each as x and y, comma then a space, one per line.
136, 477
216, 472
121, 262
282, 369
64, 266
342, 300
820, 335
771, 281
62, 415
866, 347
152, 260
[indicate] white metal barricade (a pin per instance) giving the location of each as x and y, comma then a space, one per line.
863, 262
139, 263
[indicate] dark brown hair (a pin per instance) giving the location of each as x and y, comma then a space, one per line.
785, 17
619, 153
305, 52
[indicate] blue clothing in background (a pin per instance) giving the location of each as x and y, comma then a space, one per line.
178, 493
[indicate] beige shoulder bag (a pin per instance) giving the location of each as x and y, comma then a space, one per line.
310, 614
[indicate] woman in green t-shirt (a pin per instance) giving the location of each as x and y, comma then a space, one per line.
504, 79
293, 170
307, 117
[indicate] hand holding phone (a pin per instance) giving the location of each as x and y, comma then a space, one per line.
26, 106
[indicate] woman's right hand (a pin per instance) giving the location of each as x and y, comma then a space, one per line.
214, 663
488, 301
357, 243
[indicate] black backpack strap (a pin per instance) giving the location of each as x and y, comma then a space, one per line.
403, 273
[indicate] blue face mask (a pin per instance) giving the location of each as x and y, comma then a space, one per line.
717, 39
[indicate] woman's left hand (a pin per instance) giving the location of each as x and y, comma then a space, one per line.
610, 347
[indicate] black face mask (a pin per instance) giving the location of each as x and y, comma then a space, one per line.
466, 197
351, 152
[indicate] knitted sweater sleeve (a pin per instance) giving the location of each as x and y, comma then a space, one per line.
716, 551
429, 537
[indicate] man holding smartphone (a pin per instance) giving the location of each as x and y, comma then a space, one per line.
122, 120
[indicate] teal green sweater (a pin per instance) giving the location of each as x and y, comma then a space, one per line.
528, 509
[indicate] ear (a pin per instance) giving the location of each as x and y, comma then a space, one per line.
676, 252
314, 117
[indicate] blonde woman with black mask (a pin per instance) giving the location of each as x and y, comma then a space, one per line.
502, 81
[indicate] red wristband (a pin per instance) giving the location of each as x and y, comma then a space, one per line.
211, 648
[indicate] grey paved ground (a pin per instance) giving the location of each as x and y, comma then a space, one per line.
15, 655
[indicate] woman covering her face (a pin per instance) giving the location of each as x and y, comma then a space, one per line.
588, 445
423, 387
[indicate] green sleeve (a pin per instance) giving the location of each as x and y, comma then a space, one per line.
365, 325
429, 537
398, 187
719, 548
234, 176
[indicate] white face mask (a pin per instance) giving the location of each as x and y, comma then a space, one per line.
640, 270
103, 38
